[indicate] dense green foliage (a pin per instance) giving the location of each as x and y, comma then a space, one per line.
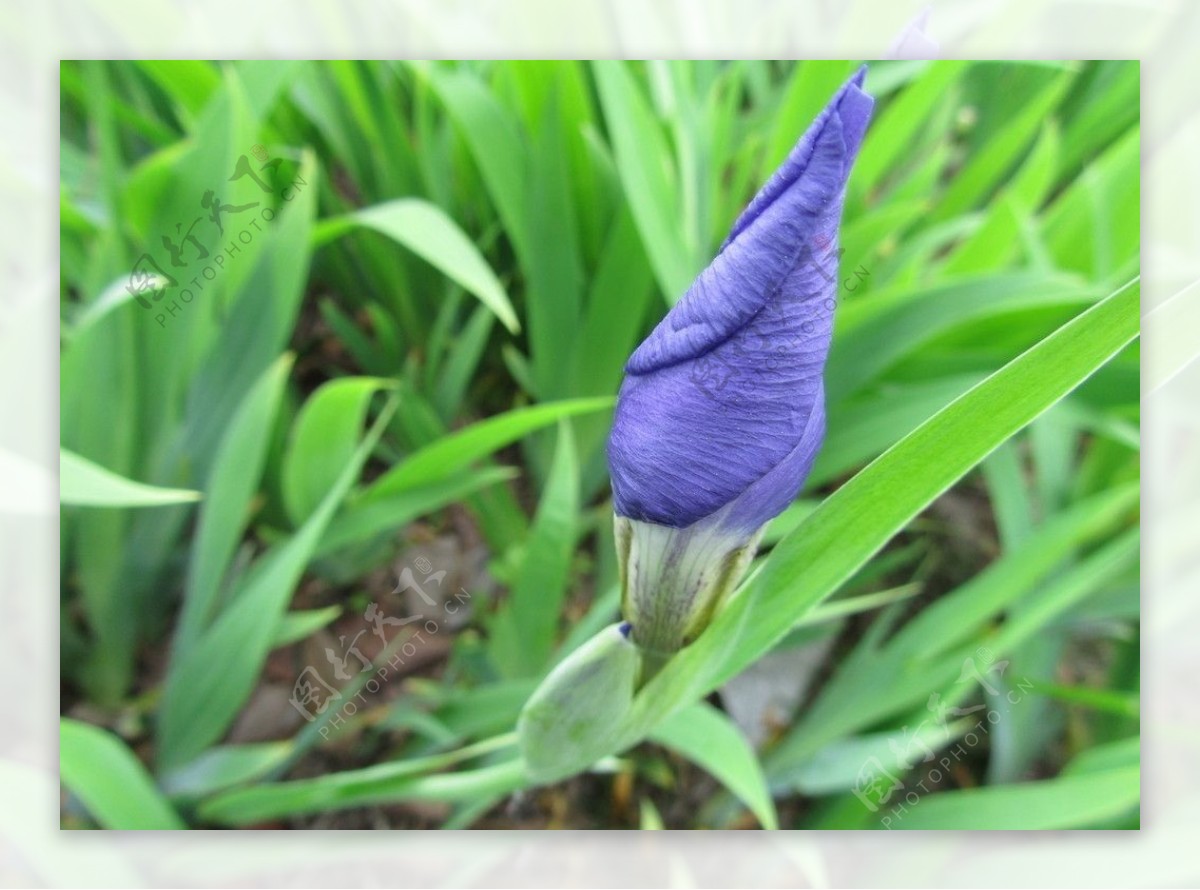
401, 316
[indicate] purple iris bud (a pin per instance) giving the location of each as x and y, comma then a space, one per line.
721, 413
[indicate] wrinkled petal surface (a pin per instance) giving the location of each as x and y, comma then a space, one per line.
722, 405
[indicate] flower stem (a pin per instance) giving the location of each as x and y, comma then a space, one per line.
652, 662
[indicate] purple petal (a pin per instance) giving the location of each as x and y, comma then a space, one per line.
723, 402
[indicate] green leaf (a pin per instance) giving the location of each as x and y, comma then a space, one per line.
1114, 755
188, 83
365, 518
894, 131
225, 766
647, 174
300, 625
864, 426
232, 483
877, 333
257, 325
496, 146
323, 441
991, 246
1071, 802
452, 453
808, 92
555, 273
880, 680
1112, 106
111, 298
1011, 506
1094, 226
707, 737
396, 782
84, 483
427, 231
114, 786
838, 766
1125, 704
483, 710
617, 304
1034, 180
526, 628
200, 701
576, 715
462, 363
988, 165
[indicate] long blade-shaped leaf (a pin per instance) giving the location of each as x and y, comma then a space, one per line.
111, 782
429, 232
213, 678
236, 473
87, 484
705, 736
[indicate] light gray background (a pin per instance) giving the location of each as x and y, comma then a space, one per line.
1164, 33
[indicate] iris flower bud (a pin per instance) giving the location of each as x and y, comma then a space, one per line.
722, 412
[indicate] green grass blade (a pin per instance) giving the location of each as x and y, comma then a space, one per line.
259, 323
201, 699
225, 766
235, 477
452, 453
1124, 704
83, 483
302, 624
880, 332
365, 518
112, 783
838, 765
706, 736
323, 441
555, 274
645, 167
407, 780
188, 83
1002, 150
1072, 802
878, 682
496, 145
526, 629
431, 234
899, 124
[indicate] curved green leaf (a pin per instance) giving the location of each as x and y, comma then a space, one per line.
232, 483
524, 634
86, 484
706, 736
114, 786
1071, 802
450, 454
323, 441
427, 231
406, 780
209, 682
575, 716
